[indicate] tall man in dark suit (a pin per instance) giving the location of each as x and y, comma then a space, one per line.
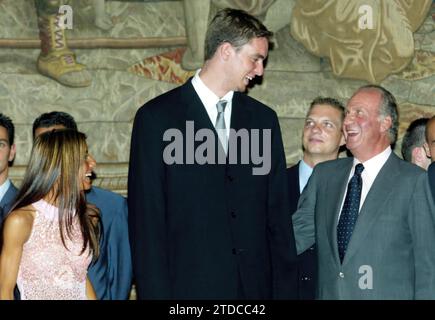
371, 216
208, 218
111, 274
7, 155
322, 138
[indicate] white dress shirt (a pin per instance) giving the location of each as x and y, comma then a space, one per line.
209, 99
369, 174
305, 172
4, 188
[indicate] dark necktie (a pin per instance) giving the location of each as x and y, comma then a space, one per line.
349, 213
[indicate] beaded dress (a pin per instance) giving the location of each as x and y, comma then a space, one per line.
48, 270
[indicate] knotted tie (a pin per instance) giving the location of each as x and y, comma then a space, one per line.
220, 123
349, 213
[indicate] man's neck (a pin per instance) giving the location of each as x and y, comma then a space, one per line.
210, 76
377, 147
4, 176
373, 157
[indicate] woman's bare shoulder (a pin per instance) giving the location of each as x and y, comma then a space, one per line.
21, 219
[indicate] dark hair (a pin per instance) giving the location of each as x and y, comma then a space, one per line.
328, 101
414, 137
7, 123
234, 26
388, 108
54, 166
54, 118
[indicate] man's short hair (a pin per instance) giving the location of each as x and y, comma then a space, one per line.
414, 137
328, 101
236, 27
7, 123
388, 108
54, 118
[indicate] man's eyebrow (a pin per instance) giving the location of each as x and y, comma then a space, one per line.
257, 55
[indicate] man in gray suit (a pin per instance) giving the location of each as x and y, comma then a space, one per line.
7, 155
371, 216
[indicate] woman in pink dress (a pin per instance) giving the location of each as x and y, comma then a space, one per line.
51, 235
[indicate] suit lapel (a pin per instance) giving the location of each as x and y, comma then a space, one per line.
7, 201
195, 110
339, 184
240, 115
9, 195
372, 207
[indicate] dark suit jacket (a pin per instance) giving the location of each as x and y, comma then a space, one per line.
7, 202
390, 254
306, 271
211, 231
111, 274
5, 206
431, 173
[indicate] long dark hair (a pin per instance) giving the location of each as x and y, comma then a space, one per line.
55, 168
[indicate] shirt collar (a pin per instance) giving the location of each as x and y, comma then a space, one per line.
375, 164
305, 172
208, 97
4, 188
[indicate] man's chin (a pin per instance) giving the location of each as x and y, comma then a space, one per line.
87, 185
352, 143
315, 148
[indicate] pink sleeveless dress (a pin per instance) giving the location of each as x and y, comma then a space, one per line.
49, 271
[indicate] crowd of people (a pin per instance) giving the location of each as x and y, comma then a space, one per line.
202, 222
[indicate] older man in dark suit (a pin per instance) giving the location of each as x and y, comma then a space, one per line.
7, 155
321, 139
371, 216
209, 219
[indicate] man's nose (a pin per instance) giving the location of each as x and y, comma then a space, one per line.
259, 69
348, 118
316, 128
91, 161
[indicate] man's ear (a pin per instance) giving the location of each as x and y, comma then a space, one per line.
418, 154
427, 150
12, 153
225, 50
386, 123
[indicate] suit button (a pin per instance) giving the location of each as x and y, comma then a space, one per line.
233, 214
234, 251
230, 178
341, 274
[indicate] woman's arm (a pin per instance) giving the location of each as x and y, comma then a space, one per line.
90, 292
17, 229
